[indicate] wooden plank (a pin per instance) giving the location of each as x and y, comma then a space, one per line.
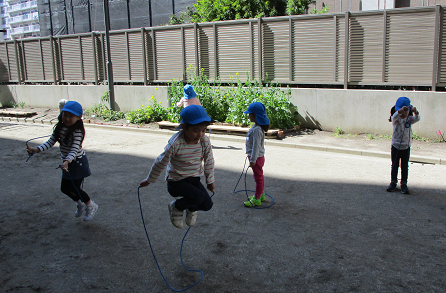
13, 113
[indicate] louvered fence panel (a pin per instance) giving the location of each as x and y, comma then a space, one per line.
410, 48
168, 48
206, 51
366, 49
119, 57
88, 58
136, 56
47, 59
4, 71
276, 51
14, 61
32, 60
233, 47
189, 51
70, 59
313, 50
442, 51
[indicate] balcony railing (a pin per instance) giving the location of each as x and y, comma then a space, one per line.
23, 18
22, 6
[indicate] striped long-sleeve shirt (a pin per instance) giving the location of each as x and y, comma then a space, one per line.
69, 150
184, 160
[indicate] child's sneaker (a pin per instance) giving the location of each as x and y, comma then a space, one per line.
191, 218
391, 187
176, 216
90, 211
253, 202
262, 197
80, 209
404, 189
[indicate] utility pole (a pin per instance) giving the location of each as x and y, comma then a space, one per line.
111, 90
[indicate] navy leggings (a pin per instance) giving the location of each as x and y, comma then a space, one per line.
398, 155
194, 196
67, 187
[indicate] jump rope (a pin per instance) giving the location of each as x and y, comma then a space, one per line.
74, 185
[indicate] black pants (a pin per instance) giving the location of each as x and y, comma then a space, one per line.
69, 189
398, 155
194, 196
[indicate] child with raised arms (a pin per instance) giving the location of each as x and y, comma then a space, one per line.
187, 156
69, 132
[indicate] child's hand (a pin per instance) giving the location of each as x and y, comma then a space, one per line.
144, 183
31, 150
211, 187
64, 166
414, 110
251, 164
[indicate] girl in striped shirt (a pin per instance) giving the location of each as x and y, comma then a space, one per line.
187, 156
69, 132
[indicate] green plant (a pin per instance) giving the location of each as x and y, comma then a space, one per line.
370, 136
13, 104
101, 110
339, 131
146, 114
228, 104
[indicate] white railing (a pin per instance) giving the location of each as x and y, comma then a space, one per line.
23, 18
22, 6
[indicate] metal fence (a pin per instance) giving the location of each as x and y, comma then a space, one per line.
398, 47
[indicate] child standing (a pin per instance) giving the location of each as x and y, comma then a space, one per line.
402, 120
189, 98
69, 132
184, 155
255, 149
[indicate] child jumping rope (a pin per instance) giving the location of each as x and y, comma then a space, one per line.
187, 155
402, 120
189, 98
255, 149
69, 132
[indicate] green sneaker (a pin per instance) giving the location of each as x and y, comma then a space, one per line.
253, 202
262, 197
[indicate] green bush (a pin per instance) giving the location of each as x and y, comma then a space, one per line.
146, 114
102, 111
228, 104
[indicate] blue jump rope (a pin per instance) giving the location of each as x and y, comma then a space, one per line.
30, 155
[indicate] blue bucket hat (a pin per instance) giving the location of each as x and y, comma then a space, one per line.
401, 102
73, 107
189, 92
194, 114
260, 111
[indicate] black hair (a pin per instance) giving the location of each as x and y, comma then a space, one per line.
265, 128
392, 111
79, 125
207, 123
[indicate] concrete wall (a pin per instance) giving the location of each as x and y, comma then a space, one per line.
353, 111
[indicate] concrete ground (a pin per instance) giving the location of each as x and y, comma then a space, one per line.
333, 227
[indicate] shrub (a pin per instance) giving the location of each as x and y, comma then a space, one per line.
101, 110
146, 114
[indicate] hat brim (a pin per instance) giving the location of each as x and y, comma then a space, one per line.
72, 112
199, 120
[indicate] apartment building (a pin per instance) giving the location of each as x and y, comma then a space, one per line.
22, 19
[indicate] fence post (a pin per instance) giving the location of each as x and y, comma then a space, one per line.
383, 70
197, 61
251, 51
144, 53
155, 73
17, 61
335, 42
183, 55
214, 29
53, 61
291, 46
260, 49
436, 58
95, 60
346, 50
81, 60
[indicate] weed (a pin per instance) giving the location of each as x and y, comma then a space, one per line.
147, 114
101, 110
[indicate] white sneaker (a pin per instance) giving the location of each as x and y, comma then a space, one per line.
176, 216
90, 211
191, 218
80, 209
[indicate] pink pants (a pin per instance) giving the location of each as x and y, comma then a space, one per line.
258, 176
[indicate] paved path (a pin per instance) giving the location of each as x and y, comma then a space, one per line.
333, 226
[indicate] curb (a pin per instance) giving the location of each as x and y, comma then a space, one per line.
413, 159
